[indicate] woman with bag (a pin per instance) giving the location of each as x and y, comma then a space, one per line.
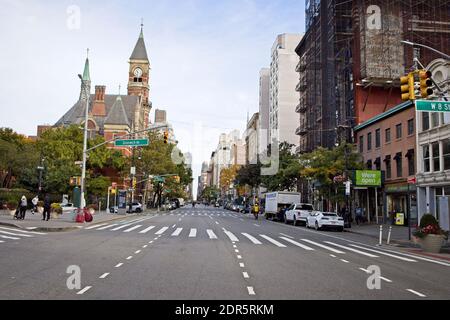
23, 207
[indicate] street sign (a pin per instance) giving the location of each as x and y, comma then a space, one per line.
432, 106
132, 143
133, 170
412, 180
368, 178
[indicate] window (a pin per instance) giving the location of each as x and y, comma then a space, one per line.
398, 160
425, 121
446, 147
411, 163
426, 159
398, 129
410, 127
369, 165
378, 138
388, 167
378, 164
388, 135
435, 119
436, 160
361, 144
369, 141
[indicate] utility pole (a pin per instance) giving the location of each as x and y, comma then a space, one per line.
41, 169
86, 118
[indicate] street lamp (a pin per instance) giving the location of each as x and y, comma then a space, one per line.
40, 168
83, 171
413, 44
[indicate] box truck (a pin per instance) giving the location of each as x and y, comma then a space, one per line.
275, 201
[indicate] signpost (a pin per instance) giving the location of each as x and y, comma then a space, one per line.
432, 106
132, 143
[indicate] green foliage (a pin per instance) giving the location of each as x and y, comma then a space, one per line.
98, 186
210, 193
14, 195
249, 175
428, 220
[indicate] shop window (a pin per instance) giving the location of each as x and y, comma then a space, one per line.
398, 129
446, 147
425, 121
378, 138
388, 135
410, 127
388, 167
436, 160
369, 141
398, 159
411, 163
426, 159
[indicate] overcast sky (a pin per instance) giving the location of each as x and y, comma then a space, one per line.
205, 58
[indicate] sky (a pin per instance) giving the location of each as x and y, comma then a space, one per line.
205, 57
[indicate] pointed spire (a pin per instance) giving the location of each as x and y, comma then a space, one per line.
86, 73
140, 51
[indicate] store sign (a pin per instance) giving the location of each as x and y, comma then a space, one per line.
368, 178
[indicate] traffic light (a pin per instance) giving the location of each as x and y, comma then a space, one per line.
425, 83
166, 137
407, 87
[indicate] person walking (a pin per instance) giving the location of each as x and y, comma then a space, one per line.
23, 207
35, 203
47, 208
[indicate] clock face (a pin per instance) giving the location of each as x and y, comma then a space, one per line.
138, 72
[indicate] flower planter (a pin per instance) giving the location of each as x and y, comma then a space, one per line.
40, 210
432, 243
55, 215
12, 212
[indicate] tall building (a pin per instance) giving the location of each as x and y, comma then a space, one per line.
115, 115
283, 97
252, 140
264, 113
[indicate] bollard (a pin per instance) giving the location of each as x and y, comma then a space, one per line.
381, 236
389, 235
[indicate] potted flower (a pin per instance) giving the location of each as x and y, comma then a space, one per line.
12, 207
430, 235
56, 210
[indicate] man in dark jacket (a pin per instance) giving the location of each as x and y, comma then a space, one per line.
47, 207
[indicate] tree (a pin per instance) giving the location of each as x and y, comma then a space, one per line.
227, 177
210, 193
249, 175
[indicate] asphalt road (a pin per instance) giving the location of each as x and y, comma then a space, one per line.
208, 254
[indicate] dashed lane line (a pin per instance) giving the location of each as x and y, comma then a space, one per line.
103, 276
245, 274
84, 290
416, 293
251, 291
118, 265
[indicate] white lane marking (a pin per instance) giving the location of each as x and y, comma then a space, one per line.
144, 246
23, 231
193, 233
96, 226
137, 252
231, 236
83, 291
251, 291
147, 230
122, 227
251, 238
241, 265
323, 246
386, 279
179, 219
420, 258
333, 256
177, 232
103, 276
211, 234
133, 228
384, 253
15, 234
107, 227
245, 274
285, 235
173, 227
275, 242
353, 250
31, 228
234, 246
417, 293
256, 225
237, 251
162, 231
130, 257
10, 238
118, 265
297, 244
345, 261
1, 241
239, 257
217, 222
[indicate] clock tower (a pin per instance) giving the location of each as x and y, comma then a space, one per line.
139, 75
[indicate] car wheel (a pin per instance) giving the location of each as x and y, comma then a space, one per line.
294, 222
317, 226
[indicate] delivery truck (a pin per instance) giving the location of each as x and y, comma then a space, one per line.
275, 201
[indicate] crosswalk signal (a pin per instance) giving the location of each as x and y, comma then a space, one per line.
425, 83
166, 137
407, 87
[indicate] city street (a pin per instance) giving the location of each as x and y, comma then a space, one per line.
207, 253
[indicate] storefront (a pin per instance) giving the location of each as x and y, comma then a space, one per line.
401, 204
368, 194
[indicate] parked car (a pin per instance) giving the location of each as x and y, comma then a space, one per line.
298, 213
136, 207
217, 204
322, 220
240, 208
114, 209
68, 207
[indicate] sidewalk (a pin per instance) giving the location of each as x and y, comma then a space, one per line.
64, 223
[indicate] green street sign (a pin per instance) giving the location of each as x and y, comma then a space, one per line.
432, 106
132, 143
368, 178
159, 179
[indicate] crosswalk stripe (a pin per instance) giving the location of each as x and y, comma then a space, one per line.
133, 228
275, 242
15, 234
147, 229
107, 227
177, 232
193, 233
251, 238
211, 234
23, 231
1, 241
10, 238
162, 230
354, 250
323, 246
384, 253
231, 236
96, 226
297, 244
122, 227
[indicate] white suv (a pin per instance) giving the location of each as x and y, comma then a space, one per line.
298, 212
135, 207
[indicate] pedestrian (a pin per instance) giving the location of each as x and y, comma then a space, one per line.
35, 203
359, 215
23, 207
47, 208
